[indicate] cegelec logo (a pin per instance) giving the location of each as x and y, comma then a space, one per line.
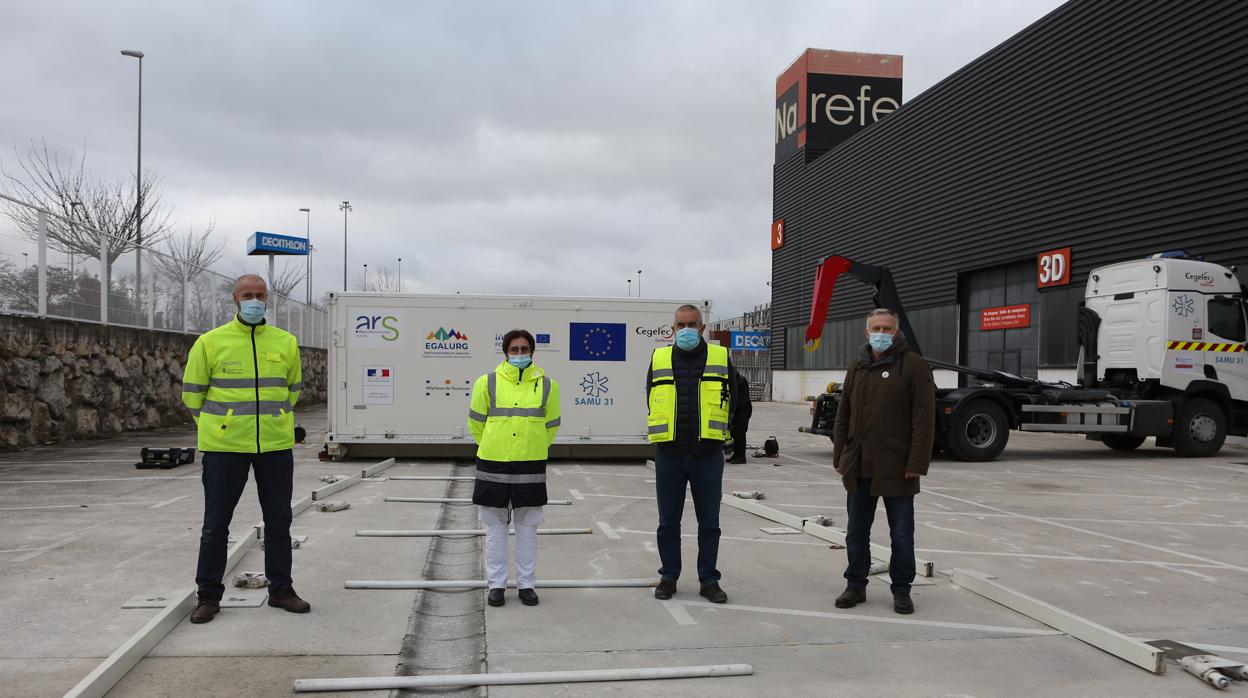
1204, 278
444, 339
383, 326
660, 334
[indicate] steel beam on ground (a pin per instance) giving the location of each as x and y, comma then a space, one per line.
374, 469
432, 532
923, 567
297, 508
432, 477
454, 500
482, 584
102, 679
372, 683
1138, 653
322, 493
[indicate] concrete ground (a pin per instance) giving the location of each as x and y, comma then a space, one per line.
1145, 543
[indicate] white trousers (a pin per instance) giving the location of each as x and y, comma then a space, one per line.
526, 520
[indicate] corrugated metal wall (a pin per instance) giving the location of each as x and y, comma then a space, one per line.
1113, 127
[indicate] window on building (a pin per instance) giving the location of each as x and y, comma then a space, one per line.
1226, 318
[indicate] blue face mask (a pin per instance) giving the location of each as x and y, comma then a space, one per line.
688, 337
880, 341
521, 361
251, 312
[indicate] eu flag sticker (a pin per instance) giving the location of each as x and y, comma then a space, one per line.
597, 341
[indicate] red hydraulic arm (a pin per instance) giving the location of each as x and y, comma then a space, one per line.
878, 277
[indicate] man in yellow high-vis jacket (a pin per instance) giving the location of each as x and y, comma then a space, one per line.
240, 384
690, 387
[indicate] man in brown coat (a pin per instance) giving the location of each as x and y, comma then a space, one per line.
885, 423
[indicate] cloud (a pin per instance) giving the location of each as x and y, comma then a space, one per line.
527, 148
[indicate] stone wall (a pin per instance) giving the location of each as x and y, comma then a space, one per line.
62, 380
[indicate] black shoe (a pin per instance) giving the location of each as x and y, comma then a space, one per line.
852, 596
205, 609
737, 460
711, 592
496, 598
902, 603
287, 600
665, 589
528, 597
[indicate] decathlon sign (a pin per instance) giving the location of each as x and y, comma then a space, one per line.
268, 243
750, 341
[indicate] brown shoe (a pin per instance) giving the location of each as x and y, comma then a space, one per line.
287, 599
205, 609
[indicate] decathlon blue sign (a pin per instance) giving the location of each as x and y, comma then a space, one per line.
751, 341
268, 243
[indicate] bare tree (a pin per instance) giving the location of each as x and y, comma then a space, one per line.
188, 254
286, 277
385, 280
48, 182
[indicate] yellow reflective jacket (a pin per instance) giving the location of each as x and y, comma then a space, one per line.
241, 383
513, 417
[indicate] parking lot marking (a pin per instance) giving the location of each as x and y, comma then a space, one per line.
679, 614
875, 619
576, 494
170, 501
606, 528
81, 506
1072, 558
1150, 546
62, 542
102, 479
723, 537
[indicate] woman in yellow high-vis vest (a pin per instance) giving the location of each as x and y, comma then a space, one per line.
514, 417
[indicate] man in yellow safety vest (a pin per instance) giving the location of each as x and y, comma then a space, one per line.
690, 395
240, 384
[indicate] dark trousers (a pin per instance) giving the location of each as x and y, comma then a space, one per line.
900, 510
705, 478
224, 477
740, 425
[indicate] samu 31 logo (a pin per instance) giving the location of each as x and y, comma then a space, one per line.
385, 326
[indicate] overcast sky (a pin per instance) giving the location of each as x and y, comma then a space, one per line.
504, 147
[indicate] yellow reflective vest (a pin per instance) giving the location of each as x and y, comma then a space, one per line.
241, 383
514, 417
713, 405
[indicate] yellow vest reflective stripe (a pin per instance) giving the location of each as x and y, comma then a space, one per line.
241, 385
712, 403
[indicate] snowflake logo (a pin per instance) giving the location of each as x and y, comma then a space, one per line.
594, 384
1184, 306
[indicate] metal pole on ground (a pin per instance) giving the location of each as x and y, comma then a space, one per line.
521, 678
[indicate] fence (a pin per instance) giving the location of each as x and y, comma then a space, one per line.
53, 266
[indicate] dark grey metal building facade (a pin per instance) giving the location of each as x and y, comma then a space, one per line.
1115, 128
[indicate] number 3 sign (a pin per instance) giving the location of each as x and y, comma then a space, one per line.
777, 234
1053, 268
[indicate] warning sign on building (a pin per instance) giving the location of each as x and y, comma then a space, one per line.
1006, 317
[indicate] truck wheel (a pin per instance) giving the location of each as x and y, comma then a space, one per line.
979, 433
1200, 429
1122, 442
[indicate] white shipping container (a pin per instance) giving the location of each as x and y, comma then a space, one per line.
402, 367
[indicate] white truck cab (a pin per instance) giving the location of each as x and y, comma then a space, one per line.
1170, 328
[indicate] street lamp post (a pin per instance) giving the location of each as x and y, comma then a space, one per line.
630, 287
400, 289
344, 207
365, 278
308, 235
138, 189
639, 283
